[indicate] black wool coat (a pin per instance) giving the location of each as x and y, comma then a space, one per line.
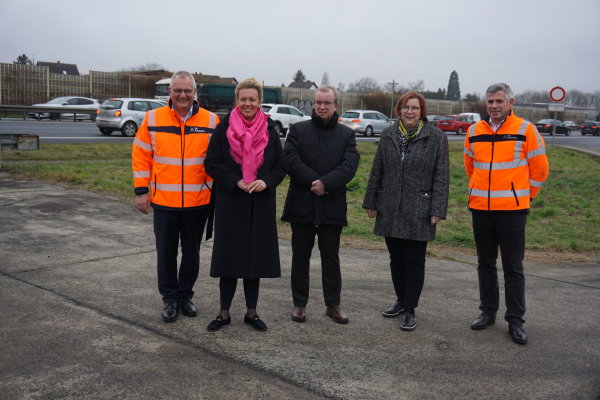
407, 193
245, 241
317, 151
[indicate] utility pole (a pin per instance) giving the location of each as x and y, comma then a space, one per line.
393, 83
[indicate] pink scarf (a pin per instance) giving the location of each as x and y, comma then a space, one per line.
247, 141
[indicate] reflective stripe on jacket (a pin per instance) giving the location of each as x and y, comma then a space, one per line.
506, 168
168, 155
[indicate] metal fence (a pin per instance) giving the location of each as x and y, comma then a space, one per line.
28, 84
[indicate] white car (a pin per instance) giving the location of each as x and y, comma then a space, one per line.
283, 115
72, 103
124, 114
367, 122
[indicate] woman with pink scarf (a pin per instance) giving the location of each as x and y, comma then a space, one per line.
245, 160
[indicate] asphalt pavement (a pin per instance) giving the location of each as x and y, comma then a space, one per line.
80, 319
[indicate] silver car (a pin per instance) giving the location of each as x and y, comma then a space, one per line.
367, 122
67, 102
124, 114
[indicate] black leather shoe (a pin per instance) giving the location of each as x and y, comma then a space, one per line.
393, 310
517, 334
409, 322
218, 323
187, 308
482, 322
169, 313
256, 322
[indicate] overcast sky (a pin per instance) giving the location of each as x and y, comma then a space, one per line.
534, 44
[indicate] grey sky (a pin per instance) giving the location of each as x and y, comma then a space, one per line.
528, 44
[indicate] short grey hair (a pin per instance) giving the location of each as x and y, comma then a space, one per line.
496, 87
327, 88
183, 74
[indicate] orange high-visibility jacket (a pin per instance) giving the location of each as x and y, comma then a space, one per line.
506, 168
168, 155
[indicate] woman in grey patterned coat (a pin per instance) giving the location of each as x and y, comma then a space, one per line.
407, 193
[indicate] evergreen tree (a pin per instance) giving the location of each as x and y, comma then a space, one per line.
453, 92
299, 76
23, 59
325, 78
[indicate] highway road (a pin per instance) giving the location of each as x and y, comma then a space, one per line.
87, 132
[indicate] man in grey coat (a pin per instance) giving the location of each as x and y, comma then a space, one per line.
321, 158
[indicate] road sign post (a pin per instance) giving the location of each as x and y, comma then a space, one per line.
557, 94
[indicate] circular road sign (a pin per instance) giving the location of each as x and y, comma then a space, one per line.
557, 93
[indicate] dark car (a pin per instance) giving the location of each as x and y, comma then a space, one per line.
590, 128
548, 125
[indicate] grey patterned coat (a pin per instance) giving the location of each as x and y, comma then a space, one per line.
407, 193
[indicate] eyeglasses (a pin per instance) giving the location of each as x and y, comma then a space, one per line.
411, 108
180, 91
324, 103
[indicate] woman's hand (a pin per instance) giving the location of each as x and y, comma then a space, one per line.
371, 213
257, 186
435, 219
242, 185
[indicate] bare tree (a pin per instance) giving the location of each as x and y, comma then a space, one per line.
364, 85
341, 87
151, 66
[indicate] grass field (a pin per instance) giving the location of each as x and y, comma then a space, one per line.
565, 217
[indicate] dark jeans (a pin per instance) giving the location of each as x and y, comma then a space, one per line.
227, 288
407, 264
169, 228
506, 230
303, 241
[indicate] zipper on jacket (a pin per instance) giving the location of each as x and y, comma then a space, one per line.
155, 184
182, 164
512, 187
489, 199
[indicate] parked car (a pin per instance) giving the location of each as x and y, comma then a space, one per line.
124, 114
367, 122
434, 119
283, 115
67, 102
571, 124
455, 123
476, 117
547, 126
590, 128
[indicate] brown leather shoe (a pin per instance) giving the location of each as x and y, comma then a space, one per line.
336, 314
299, 315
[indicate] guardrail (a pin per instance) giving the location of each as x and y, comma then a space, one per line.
58, 111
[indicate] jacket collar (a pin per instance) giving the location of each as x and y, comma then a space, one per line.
331, 124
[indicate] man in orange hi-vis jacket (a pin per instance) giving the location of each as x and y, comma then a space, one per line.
168, 173
505, 159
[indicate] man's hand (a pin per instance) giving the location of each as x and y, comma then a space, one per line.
142, 203
371, 213
435, 220
318, 188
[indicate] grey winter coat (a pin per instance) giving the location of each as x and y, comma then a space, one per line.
406, 194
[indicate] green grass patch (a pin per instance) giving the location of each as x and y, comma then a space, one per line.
564, 217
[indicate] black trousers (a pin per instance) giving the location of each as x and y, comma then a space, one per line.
169, 228
303, 241
407, 264
506, 230
227, 288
